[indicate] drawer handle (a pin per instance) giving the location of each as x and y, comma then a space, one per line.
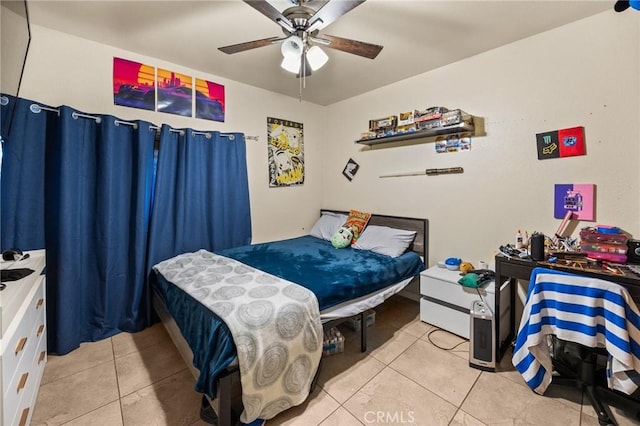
39, 303
20, 345
41, 357
22, 382
40, 330
24, 416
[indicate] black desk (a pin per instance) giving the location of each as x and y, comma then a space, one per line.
512, 269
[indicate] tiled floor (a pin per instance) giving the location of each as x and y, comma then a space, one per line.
140, 379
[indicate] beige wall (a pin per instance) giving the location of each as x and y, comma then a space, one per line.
63, 69
583, 74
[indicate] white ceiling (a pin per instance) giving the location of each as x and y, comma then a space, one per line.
417, 35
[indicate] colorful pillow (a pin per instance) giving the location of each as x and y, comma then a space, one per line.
384, 240
327, 225
357, 221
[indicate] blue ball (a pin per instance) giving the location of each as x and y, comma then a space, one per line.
635, 4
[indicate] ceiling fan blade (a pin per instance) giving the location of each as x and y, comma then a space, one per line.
332, 10
270, 12
355, 47
241, 47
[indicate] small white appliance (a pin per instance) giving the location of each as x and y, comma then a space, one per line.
482, 349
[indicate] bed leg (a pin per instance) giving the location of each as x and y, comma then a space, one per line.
224, 400
363, 333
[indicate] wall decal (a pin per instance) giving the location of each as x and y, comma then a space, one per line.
175, 93
209, 100
134, 84
561, 143
286, 152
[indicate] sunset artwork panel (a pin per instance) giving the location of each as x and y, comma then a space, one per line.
175, 93
134, 84
209, 100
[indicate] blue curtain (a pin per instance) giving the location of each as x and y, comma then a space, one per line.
24, 134
82, 187
202, 194
99, 181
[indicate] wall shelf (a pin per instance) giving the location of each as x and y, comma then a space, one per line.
448, 130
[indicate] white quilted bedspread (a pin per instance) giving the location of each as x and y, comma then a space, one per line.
275, 325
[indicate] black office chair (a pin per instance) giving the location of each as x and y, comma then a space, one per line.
584, 368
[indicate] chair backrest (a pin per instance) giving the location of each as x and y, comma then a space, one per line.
588, 311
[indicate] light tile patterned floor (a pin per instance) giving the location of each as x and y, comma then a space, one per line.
405, 377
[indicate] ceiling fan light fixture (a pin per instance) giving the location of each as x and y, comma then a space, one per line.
292, 47
291, 63
316, 57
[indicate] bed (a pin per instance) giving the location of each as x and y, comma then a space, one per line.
205, 341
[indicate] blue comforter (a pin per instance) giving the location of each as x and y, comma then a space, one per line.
335, 276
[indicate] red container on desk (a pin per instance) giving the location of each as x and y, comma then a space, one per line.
604, 246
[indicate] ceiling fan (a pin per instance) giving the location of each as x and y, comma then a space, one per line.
301, 24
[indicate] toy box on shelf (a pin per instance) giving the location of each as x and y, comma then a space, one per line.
604, 243
383, 126
333, 342
369, 319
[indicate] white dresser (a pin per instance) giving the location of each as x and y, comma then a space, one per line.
447, 304
23, 342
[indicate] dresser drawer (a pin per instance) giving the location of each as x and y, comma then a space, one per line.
23, 340
28, 371
27, 401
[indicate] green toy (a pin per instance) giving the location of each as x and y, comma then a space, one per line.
342, 238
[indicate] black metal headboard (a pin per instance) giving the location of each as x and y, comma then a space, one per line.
421, 242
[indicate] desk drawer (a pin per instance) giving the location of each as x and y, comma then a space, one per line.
24, 338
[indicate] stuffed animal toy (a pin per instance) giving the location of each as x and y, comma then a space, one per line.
466, 267
341, 238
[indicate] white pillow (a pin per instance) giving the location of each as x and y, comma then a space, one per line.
384, 240
327, 225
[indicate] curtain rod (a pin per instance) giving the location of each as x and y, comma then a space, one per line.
35, 108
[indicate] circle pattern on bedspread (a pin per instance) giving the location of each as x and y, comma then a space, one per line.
275, 407
207, 280
312, 337
263, 291
222, 309
256, 314
203, 262
240, 279
247, 351
270, 366
297, 375
243, 269
200, 293
191, 272
296, 292
266, 279
228, 292
223, 269
252, 404
289, 321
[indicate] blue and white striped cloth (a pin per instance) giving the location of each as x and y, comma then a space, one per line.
589, 311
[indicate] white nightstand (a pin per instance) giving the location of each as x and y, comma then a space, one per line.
446, 304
